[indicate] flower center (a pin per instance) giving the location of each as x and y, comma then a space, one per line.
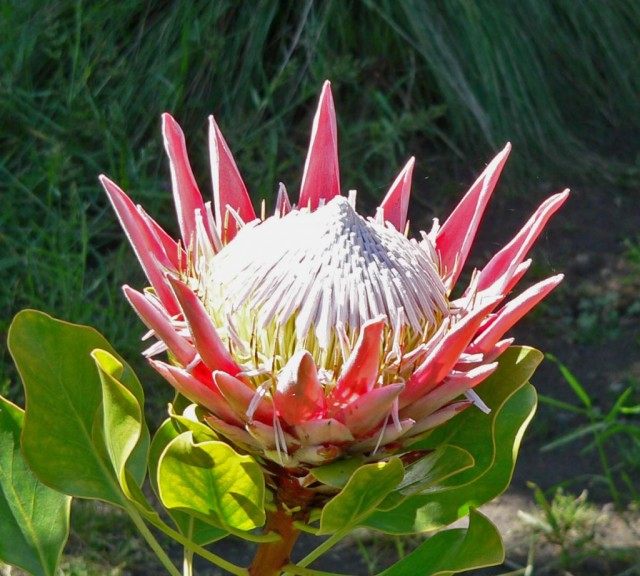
312, 279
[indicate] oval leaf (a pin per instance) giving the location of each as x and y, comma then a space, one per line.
122, 418
196, 530
429, 473
337, 473
454, 551
63, 404
34, 520
213, 482
367, 487
492, 440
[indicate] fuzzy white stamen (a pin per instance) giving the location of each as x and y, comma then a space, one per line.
341, 268
351, 197
259, 394
280, 440
158, 348
477, 401
211, 221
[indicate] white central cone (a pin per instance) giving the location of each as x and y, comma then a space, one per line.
327, 268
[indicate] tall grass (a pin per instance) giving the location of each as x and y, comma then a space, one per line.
82, 85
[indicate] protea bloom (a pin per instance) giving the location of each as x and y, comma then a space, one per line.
316, 333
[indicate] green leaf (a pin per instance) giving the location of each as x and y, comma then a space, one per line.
124, 429
212, 482
190, 419
573, 382
34, 520
337, 473
454, 551
492, 440
428, 474
63, 401
198, 531
366, 488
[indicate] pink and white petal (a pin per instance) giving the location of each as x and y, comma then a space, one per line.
445, 354
438, 417
360, 371
321, 176
239, 396
498, 349
148, 249
519, 272
317, 455
366, 412
511, 313
299, 395
396, 203
322, 431
204, 334
158, 321
381, 438
501, 268
186, 195
452, 387
236, 434
456, 235
170, 246
195, 390
265, 435
229, 189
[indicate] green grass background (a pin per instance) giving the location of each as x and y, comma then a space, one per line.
83, 84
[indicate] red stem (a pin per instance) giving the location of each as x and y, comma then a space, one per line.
271, 557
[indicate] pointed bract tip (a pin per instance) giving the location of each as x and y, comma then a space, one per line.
109, 185
168, 121
321, 178
502, 156
326, 99
171, 129
213, 125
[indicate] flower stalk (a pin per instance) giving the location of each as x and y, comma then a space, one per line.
271, 557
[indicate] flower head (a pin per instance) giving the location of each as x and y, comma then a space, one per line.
317, 333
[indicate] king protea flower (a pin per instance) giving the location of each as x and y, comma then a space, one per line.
316, 333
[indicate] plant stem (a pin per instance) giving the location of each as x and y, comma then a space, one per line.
187, 563
320, 550
604, 462
199, 550
271, 557
153, 543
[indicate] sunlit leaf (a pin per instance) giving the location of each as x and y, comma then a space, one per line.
123, 419
366, 488
213, 482
197, 530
